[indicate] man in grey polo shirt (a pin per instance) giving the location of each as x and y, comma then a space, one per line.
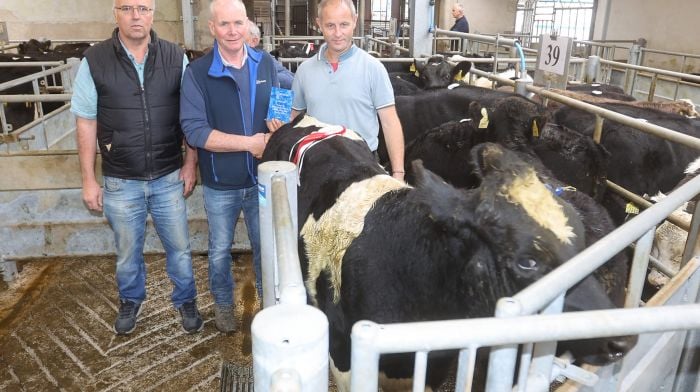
346, 86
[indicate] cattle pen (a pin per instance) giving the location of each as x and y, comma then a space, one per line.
666, 322
283, 341
537, 365
684, 283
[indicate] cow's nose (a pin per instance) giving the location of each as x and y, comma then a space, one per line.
619, 346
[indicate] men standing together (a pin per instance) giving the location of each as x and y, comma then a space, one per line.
137, 100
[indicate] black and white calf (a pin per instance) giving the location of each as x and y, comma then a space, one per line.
375, 248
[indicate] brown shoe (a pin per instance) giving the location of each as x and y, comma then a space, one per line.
223, 318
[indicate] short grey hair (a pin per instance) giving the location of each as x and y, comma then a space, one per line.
114, 4
253, 29
459, 6
348, 3
214, 3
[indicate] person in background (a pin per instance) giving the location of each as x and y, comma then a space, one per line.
126, 103
223, 105
284, 76
344, 85
461, 25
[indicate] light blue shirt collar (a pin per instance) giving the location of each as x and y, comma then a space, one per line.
131, 56
343, 56
139, 66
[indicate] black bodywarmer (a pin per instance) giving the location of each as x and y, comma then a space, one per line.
138, 128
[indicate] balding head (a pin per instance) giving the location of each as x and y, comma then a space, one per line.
228, 23
216, 5
253, 34
457, 10
348, 3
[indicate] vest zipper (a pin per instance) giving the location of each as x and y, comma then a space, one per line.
147, 130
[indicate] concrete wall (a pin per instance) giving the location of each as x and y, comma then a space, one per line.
484, 16
670, 25
79, 19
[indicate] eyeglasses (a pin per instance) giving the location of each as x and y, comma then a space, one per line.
128, 9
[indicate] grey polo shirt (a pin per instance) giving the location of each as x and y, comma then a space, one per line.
349, 96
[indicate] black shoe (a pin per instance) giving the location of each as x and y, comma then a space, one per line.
223, 318
126, 320
191, 319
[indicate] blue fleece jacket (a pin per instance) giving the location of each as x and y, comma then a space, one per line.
210, 99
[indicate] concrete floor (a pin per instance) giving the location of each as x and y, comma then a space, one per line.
56, 330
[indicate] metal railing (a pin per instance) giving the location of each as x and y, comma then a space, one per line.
5, 48
370, 339
605, 49
684, 56
631, 82
293, 358
497, 41
378, 45
36, 135
546, 294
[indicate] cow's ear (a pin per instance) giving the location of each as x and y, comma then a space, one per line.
461, 69
445, 203
479, 115
537, 124
417, 67
474, 110
485, 158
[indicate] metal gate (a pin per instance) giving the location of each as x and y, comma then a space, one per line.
569, 18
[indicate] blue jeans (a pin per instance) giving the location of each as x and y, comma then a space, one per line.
223, 209
126, 206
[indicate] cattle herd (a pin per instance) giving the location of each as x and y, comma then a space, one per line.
500, 190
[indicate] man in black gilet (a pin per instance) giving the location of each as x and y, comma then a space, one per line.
126, 102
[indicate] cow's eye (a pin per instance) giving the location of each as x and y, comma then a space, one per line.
527, 264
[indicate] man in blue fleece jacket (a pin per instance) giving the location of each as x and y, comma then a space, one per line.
223, 105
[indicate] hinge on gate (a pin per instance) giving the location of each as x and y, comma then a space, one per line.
564, 368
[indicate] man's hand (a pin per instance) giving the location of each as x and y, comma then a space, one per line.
92, 196
257, 144
274, 124
188, 174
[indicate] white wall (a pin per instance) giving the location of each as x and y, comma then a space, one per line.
671, 25
79, 19
484, 16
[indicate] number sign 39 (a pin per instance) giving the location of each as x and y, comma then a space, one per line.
554, 54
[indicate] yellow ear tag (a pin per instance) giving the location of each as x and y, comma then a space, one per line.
484, 123
535, 129
414, 69
459, 76
630, 208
